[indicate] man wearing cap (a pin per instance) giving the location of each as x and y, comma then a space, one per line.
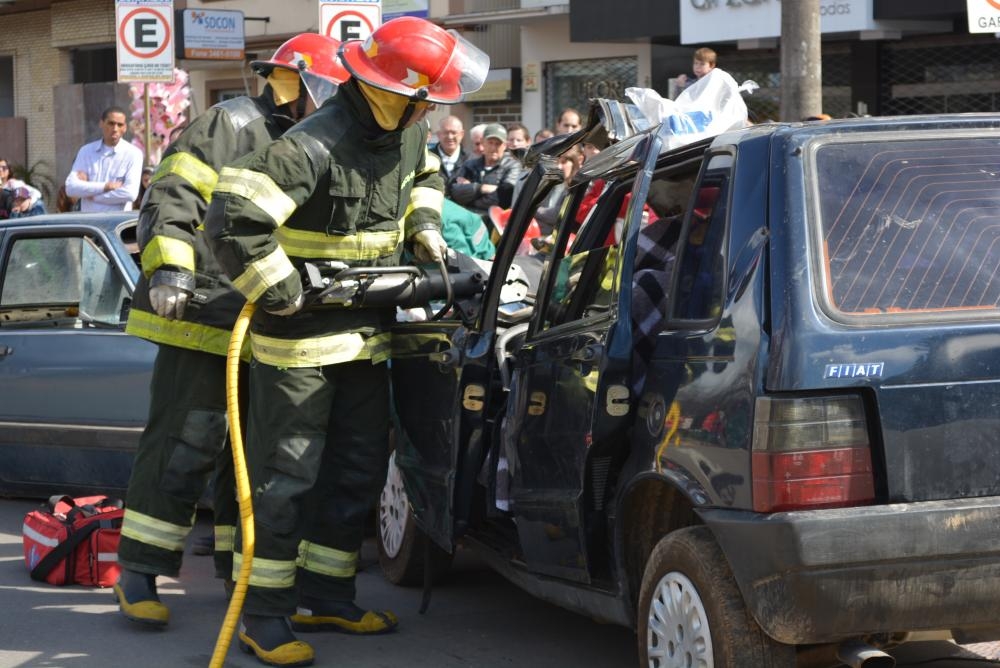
489, 179
187, 306
353, 184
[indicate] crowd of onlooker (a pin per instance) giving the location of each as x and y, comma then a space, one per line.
107, 175
482, 174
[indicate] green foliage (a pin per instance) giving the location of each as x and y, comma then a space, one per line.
37, 175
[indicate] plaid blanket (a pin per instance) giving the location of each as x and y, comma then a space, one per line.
654, 265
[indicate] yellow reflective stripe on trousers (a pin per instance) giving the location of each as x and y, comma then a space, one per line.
327, 561
201, 176
320, 350
349, 248
263, 273
151, 531
180, 333
258, 188
225, 537
267, 573
425, 198
163, 250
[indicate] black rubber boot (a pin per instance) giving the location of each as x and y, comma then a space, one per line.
344, 616
272, 642
137, 598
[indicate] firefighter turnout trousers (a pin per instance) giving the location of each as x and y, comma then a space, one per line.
184, 443
317, 452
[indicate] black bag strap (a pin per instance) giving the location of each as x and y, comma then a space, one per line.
55, 500
111, 502
88, 510
62, 551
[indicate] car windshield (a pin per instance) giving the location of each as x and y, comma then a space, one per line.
910, 228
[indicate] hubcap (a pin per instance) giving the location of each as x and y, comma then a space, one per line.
678, 635
393, 510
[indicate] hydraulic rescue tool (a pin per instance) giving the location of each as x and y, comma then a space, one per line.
330, 284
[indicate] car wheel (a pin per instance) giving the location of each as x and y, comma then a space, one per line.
691, 612
401, 543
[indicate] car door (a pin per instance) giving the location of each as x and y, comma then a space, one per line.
444, 376
570, 395
74, 388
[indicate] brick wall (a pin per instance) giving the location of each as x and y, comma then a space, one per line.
497, 113
83, 22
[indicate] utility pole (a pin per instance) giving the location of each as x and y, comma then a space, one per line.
801, 60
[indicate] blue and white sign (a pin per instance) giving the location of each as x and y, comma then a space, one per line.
392, 9
208, 34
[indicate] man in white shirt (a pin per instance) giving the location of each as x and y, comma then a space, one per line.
106, 173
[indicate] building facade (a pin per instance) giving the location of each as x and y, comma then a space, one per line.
58, 67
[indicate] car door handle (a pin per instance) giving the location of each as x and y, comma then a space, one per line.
446, 359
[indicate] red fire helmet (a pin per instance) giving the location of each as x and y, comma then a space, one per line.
417, 59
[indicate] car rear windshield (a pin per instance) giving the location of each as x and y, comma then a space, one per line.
910, 228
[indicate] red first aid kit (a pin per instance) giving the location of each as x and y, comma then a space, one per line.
74, 541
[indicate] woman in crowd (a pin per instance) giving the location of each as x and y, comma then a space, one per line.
20, 199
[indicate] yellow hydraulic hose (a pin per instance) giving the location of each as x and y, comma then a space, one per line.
242, 486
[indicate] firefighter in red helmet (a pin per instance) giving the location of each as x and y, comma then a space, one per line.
187, 306
353, 183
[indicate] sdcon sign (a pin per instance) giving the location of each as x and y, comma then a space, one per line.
211, 34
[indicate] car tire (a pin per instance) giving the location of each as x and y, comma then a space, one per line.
402, 545
691, 612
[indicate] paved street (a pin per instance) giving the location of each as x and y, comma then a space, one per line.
476, 620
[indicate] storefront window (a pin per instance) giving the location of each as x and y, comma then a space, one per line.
571, 83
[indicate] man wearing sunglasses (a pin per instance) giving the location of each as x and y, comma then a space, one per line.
353, 183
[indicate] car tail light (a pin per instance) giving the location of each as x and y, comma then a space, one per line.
811, 452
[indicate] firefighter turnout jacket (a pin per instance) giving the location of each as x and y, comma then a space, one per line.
334, 187
174, 250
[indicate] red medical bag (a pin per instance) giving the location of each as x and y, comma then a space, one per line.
74, 541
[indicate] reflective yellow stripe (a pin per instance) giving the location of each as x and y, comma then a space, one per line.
267, 573
352, 247
405, 345
432, 163
180, 333
608, 279
259, 189
151, 531
430, 198
405, 181
321, 350
163, 250
263, 273
327, 561
225, 536
192, 170
380, 347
